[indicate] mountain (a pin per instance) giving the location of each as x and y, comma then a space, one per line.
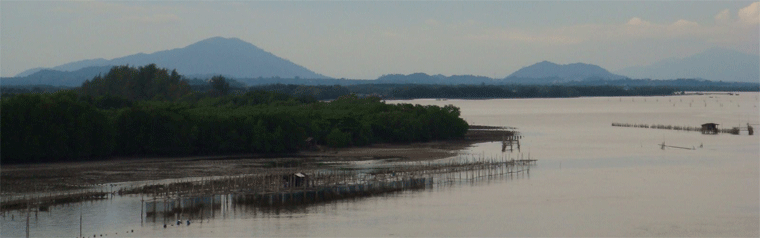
28, 72
58, 78
562, 73
77, 65
226, 56
716, 64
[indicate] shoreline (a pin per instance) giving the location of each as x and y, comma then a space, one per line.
66, 176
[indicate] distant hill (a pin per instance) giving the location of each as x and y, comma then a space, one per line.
58, 78
28, 72
562, 73
715, 64
227, 56
77, 65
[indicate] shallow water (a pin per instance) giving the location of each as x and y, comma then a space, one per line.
591, 179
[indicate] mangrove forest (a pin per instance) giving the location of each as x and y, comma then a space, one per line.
149, 111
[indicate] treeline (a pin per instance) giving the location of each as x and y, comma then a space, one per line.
6, 91
306, 91
154, 113
523, 91
411, 91
222, 86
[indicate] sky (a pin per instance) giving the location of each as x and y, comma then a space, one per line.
368, 39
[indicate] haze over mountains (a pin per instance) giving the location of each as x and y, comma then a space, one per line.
238, 59
715, 64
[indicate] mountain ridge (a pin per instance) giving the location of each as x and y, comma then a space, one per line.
58, 78
216, 55
235, 58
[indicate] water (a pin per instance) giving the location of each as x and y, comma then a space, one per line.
591, 179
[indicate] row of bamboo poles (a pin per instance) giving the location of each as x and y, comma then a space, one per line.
270, 180
733, 130
194, 199
41, 202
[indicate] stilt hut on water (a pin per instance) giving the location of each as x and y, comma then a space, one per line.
750, 131
709, 128
295, 180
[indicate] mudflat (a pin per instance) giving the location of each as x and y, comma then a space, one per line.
16, 179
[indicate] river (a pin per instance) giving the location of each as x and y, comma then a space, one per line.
591, 179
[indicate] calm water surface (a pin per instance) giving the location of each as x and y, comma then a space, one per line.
591, 179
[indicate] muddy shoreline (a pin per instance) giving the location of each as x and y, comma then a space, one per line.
56, 177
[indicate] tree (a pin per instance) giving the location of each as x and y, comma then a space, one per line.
220, 85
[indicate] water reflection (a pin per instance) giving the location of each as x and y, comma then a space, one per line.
109, 217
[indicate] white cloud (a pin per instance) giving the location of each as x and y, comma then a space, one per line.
638, 22
723, 16
633, 29
684, 23
750, 14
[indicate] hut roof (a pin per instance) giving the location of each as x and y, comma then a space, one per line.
710, 124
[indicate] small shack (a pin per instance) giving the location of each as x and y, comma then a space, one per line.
709, 128
295, 180
750, 131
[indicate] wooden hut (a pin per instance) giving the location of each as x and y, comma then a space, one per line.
709, 128
310, 143
295, 180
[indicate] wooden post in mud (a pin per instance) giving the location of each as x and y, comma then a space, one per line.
27, 219
503, 144
518, 145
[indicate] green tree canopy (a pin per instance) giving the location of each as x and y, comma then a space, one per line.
220, 85
143, 83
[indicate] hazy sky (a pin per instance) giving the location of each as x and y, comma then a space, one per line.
364, 40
